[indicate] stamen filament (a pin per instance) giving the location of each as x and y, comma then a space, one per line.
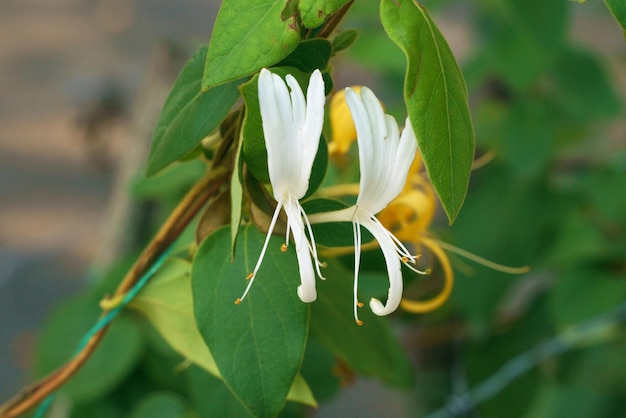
356, 228
312, 246
258, 263
482, 261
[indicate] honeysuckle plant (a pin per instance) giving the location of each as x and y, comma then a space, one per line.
286, 198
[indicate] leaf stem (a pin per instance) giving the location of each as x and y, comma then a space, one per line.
193, 201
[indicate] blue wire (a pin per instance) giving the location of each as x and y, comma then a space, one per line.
106, 319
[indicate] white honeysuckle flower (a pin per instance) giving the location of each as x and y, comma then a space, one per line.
384, 157
292, 129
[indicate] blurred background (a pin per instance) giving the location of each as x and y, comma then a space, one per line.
81, 82
70, 73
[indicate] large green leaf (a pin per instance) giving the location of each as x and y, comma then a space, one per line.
618, 9
167, 302
188, 114
436, 98
315, 12
249, 35
259, 344
370, 349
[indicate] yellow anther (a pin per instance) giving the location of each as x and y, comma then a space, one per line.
283, 248
359, 322
237, 301
250, 276
360, 304
405, 259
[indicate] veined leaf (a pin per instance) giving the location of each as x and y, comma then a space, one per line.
188, 114
436, 98
249, 35
259, 344
167, 302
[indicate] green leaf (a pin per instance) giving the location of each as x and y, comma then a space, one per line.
333, 234
188, 115
167, 302
259, 344
236, 196
618, 10
254, 151
370, 349
211, 397
160, 405
309, 56
249, 35
345, 40
315, 12
115, 359
436, 98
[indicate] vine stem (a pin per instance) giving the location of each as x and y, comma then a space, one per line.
193, 201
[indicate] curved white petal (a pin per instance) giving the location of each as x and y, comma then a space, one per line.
306, 290
292, 129
394, 267
385, 157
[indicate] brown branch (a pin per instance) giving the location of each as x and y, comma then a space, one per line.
33, 394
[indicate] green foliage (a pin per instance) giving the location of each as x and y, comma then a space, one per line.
160, 405
332, 324
314, 12
552, 197
249, 35
259, 344
436, 99
115, 360
344, 40
188, 115
168, 304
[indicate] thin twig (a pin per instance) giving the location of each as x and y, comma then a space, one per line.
33, 394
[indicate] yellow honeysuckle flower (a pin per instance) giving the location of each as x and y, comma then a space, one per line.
408, 216
341, 124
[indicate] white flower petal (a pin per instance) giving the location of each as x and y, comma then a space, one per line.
292, 132
306, 290
392, 260
384, 157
